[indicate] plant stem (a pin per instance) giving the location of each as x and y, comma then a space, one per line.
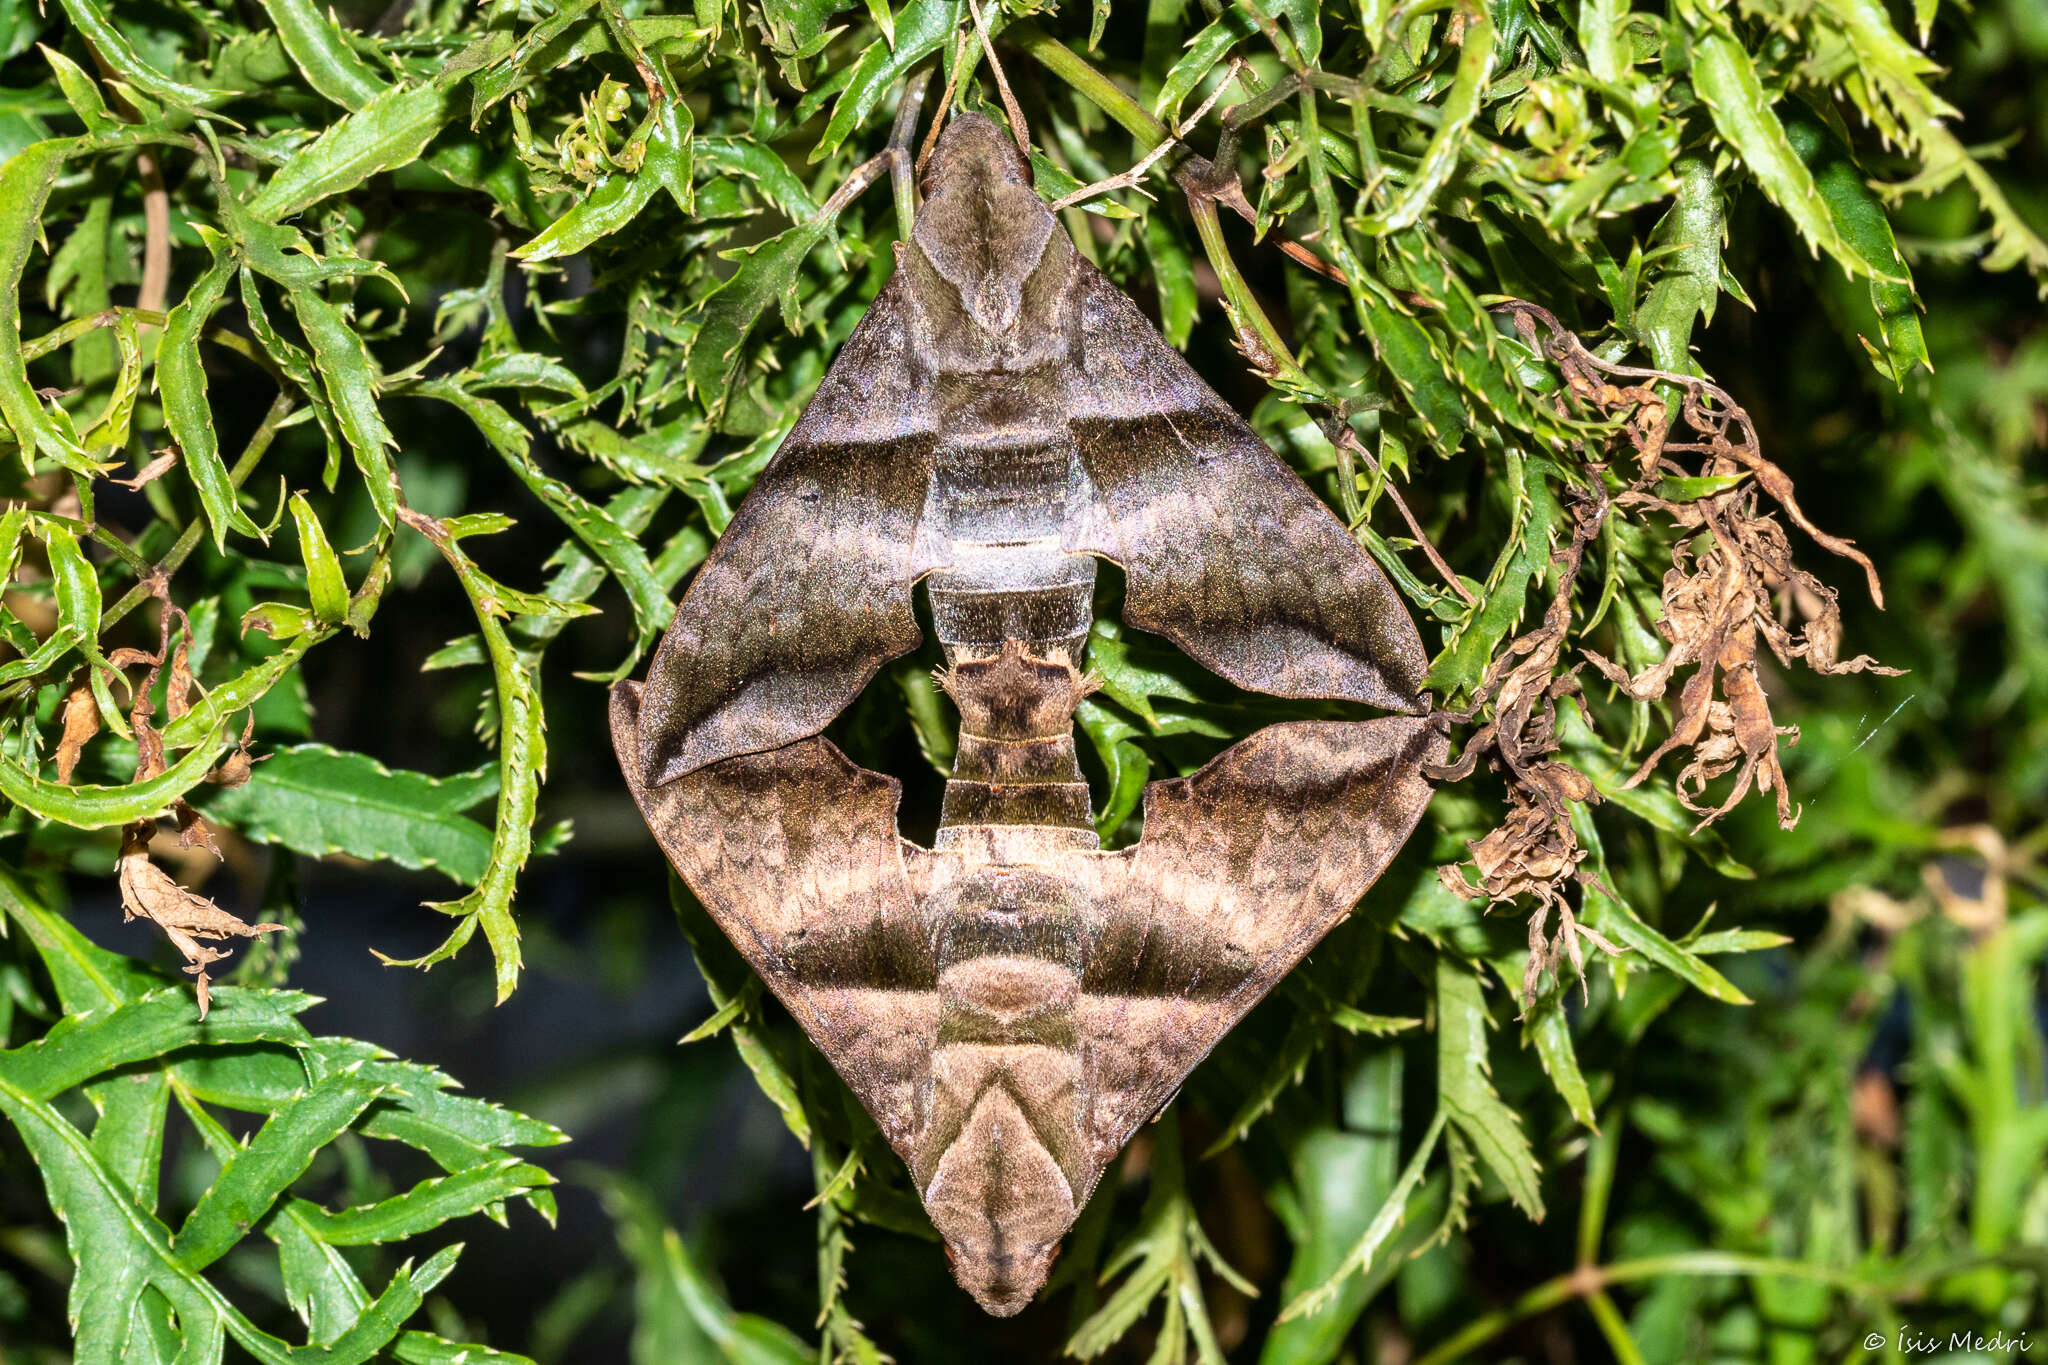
281, 407
59, 337
1588, 1280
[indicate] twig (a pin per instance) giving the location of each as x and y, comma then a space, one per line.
1018, 128
1350, 441
156, 235
1128, 180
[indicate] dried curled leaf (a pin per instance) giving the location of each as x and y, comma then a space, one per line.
1732, 583
1725, 589
81, 723
1533, 851
147, 892
233, 771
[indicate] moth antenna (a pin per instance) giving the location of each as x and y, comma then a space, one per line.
1019, 129
931, 137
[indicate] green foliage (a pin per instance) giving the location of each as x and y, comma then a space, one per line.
129, 1042
510, 302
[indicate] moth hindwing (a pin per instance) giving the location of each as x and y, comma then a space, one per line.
1011, 1003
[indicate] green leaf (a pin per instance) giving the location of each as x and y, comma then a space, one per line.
1546, 1025
1403, 347
1468, 1097
522, 755
350, 377
1859, 215
1689, 282
771, 175
108, 41
1392, 1214
320, 801
766, 275
680, 1315
99, 807
25, 182
388, 131
1204, 51
921, 26
425, 1206
316, 46
82, 1046
253, 1179
667, 164
1440, 159
1536, 517
1161, 1255
1727, 82
81, 93
325, 586
424, 1348
87, 977
612, 544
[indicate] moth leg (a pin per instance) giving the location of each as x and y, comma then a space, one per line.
902, 173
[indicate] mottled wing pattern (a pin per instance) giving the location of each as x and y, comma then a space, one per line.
1227, 553
808, 592
1242, 868
795, 854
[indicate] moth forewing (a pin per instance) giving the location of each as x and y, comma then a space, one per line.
1011, 1003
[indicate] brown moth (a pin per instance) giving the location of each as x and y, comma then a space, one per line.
1013, 1002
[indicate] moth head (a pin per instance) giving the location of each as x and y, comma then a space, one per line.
1003, 1285
988, 263
1001, 1201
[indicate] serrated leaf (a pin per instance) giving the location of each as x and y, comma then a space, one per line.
667, 164
317, 48
1727, 82
425, 1206
82, 1046
390, 130
921, 26
253, 1179
326, 589
1465, 1085
25, 181
320, 801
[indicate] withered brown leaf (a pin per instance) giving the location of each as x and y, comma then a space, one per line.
148, 892
1733, 581
81, 723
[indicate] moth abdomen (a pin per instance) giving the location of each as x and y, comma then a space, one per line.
1015, 763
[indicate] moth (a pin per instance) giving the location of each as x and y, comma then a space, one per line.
1012, 1003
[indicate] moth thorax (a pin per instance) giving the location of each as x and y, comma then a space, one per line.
1020, 912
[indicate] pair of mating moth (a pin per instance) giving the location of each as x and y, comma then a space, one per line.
1013, 1002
